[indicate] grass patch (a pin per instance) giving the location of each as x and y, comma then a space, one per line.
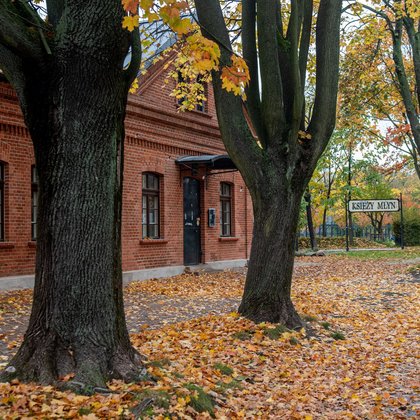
223, 387
200, 400
243, 335
414, 269
150, 399
309, 318
160, 363
325, 325
160, 399
84, 411
275, 333
222, 368
413, 252
337, 335
294, 341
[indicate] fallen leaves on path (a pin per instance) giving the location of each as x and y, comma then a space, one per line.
361, 360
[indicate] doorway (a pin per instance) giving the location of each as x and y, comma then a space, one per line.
192, 221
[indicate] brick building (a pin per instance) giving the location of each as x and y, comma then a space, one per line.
183, 204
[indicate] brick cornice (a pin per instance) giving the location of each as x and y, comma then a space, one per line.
138, 111
172, 149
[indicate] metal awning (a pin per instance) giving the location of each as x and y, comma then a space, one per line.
210, 161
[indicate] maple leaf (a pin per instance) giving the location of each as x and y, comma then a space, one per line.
236, 76
131, 6
130, 22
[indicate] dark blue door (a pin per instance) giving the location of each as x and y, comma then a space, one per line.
192, 243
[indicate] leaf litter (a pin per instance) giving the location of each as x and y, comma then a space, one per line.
360, 360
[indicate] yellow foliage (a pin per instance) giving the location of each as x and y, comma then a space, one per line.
236, 76
130, 22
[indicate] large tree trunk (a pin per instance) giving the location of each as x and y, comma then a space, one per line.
76, 120
277, 167
269, 279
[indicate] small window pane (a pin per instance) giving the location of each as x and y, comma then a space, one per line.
150, 206
225, 209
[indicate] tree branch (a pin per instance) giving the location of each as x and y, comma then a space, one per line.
414, 39
249, 44
272, 106
16, 34
404, 87
237, 137
11, 66
305, 38
132, 71
322, 122
55, 11
294, 114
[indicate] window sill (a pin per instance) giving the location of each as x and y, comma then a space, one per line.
32, 244
7, 245
202, 113
228, 238
153, 241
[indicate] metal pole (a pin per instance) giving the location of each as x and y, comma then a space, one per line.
347, 226
349, 195
402, 222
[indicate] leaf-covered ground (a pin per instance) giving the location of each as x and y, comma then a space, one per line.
360, 359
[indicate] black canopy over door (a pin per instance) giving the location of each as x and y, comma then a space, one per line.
192, 244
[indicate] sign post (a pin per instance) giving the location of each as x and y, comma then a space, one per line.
401, 223
347, 226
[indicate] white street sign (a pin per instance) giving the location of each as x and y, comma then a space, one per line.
373, 205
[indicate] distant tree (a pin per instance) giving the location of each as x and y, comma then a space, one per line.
328, 178
381, 74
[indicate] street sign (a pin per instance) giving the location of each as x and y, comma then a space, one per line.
374, 205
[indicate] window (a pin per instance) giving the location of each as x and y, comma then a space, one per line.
150, 205
34, 201
226, 209
1, 201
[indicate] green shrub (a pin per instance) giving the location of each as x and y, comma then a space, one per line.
411, 227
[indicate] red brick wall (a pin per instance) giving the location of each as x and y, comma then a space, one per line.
156, 134
17, 253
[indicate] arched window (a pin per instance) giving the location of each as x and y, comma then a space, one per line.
150, 205
225, 209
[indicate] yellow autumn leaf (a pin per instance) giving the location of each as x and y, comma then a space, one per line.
130, 22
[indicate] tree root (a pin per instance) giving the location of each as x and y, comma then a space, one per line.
89, 367
275, 312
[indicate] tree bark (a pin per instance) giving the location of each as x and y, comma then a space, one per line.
74, 106
269, 279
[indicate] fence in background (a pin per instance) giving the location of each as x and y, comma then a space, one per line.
366, 232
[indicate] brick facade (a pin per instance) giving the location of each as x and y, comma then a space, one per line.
156, 135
